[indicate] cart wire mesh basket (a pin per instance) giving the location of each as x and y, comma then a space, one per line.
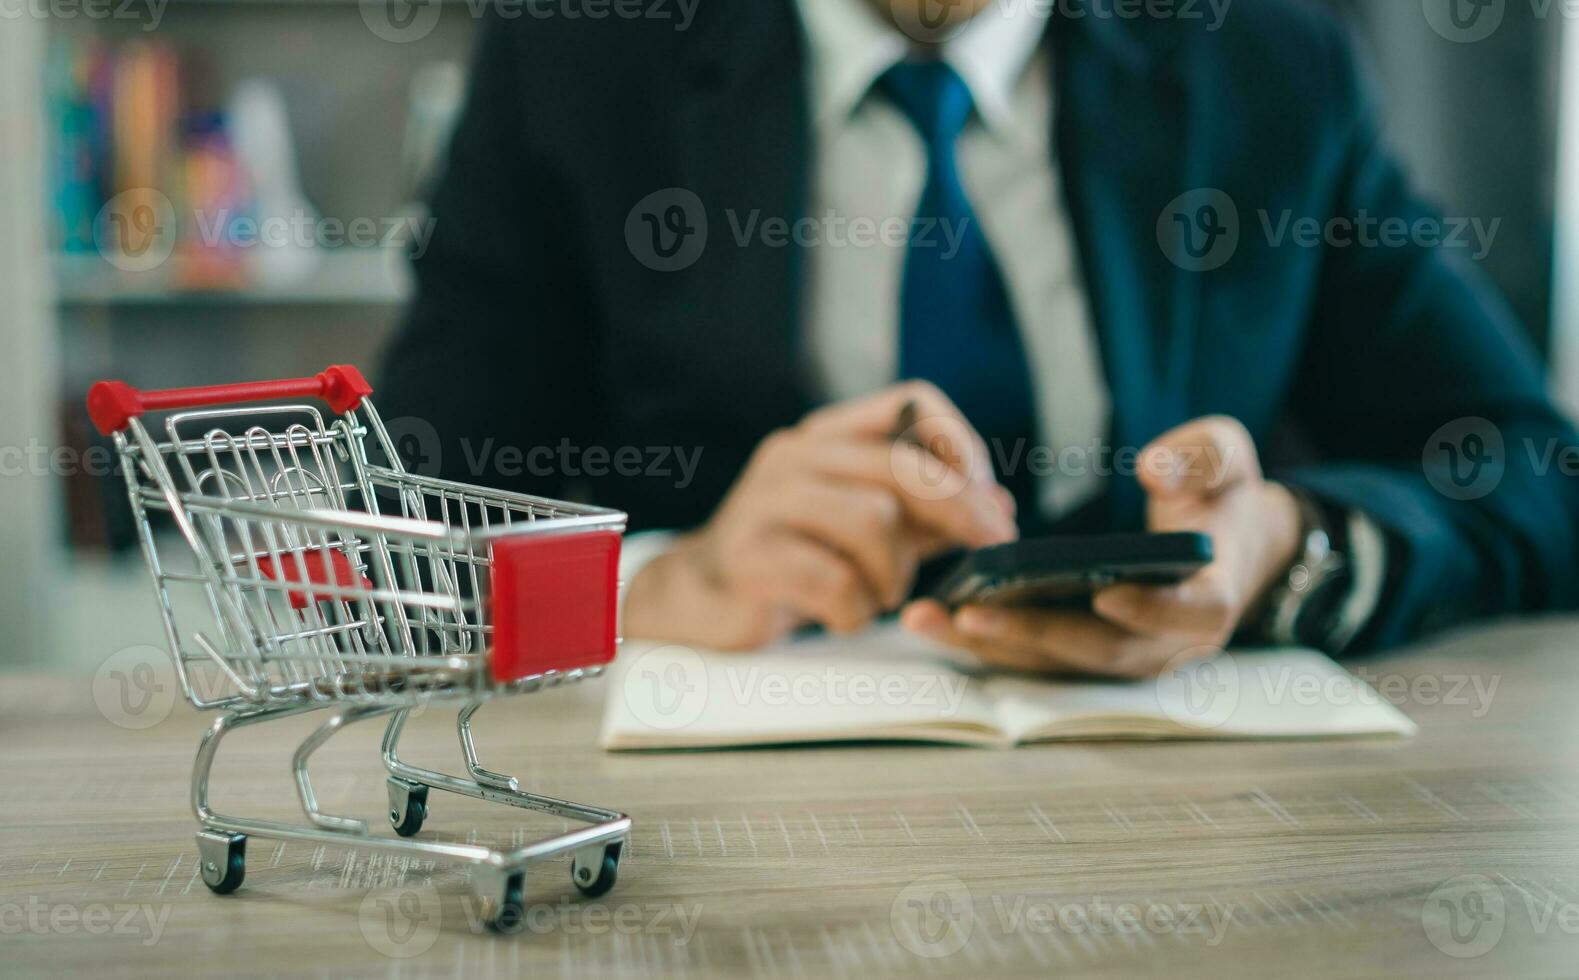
307, 575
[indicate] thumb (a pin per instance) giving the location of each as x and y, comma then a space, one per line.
1201, 458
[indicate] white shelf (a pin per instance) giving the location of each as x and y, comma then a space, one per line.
375, 277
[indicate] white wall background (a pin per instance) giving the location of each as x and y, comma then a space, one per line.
29, 526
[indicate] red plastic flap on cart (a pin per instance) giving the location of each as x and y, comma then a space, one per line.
323, 567
555, 601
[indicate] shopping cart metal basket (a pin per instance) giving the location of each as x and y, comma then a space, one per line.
307, 574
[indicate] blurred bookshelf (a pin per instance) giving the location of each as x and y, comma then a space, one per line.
250, 110
371, 277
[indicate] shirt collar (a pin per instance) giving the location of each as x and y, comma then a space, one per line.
851, 46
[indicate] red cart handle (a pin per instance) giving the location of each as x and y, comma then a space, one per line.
112, 404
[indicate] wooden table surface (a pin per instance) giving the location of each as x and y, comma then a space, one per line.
1455, 853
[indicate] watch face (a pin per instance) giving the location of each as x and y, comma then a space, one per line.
1319, 605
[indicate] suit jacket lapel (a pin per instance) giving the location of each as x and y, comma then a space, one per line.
1123, 138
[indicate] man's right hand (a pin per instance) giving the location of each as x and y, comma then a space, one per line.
827, 524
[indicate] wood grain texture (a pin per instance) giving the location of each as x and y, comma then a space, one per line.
1191, 859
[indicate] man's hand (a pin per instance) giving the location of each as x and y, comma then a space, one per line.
1202, 476
827, 525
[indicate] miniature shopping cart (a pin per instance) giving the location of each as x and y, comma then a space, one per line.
309, 575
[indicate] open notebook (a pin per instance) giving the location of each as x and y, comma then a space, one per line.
888, 685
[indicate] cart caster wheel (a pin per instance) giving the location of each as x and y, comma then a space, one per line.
408, 806
607, 870
511, 910
222, 860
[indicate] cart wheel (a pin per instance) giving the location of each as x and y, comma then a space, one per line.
222, 860
511, 910
408, 806
607, 871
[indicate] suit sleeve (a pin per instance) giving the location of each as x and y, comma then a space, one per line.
1428, 401
493, 357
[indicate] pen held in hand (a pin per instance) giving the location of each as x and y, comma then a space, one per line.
905, 425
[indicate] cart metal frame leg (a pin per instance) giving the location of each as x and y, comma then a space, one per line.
595, 849
498, 876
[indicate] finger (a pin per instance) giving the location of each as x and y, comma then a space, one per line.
863, 522
1006, 500
1201, 607
1068, 639
811, 578
1054, 641
938, 426
930, 544
944, 502
1202, 458
928, 618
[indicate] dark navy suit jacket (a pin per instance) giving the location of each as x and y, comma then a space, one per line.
535, 323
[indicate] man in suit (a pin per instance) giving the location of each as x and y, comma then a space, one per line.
1108, 261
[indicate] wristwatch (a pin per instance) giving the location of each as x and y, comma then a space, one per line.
1305, 609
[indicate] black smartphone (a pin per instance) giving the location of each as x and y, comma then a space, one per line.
1066, 570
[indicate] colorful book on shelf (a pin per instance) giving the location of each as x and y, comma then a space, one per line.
73, 116
130, 131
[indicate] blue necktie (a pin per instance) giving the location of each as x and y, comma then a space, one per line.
956, 328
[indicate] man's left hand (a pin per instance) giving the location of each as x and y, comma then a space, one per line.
1202, 476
